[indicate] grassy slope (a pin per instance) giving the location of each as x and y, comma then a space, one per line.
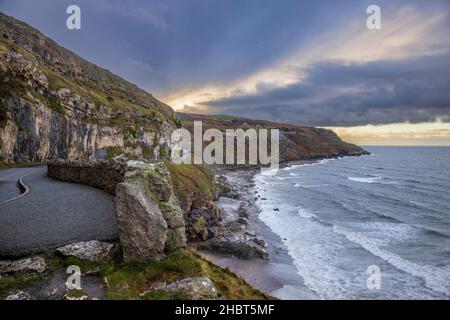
64, 69
129, 281
191, 179
300, 143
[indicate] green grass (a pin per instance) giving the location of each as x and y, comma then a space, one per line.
147, 152
137, 281
4, 165
74, 293
114, 98
129, 133
190, 178
128, 282
53, 103
18, 281
113, 152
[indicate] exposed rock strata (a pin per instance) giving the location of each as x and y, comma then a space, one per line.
54, 104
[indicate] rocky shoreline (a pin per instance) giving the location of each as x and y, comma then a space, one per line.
248, 247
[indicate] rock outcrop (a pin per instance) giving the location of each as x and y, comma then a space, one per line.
240, 248
150, 221
19, 295
200, 288
141, 226
88, 250
54, 104
31, 264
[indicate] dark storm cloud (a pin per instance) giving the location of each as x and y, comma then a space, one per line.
415, 90
165, 46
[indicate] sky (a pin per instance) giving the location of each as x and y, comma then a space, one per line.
312, 63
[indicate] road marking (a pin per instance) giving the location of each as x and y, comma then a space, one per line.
23, 188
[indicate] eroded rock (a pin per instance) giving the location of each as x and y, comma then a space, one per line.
141, 225
199, 288
89, 250
234, 246
32, 264
20, 295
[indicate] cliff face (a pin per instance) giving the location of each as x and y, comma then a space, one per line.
296, 143
54, 104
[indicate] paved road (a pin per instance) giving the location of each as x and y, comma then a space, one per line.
54, 213
8, 182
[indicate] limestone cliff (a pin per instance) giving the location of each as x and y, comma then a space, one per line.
54, 104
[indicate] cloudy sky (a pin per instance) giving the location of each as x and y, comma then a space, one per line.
311, 63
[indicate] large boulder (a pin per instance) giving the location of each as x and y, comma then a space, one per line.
150, 220
158, 179
140, 223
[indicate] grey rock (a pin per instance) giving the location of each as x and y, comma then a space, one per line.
242, 211
236, 247
89, 250
141, 226
32, 264
250, 233
260, 242
20, 295
200, 288
243, 221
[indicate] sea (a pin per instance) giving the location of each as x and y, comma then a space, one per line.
368, 227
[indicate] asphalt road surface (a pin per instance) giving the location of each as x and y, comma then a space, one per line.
52, 214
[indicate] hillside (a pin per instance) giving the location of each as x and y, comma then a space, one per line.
296, 143
54, 104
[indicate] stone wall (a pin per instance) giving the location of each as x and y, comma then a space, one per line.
104, 175
150, 221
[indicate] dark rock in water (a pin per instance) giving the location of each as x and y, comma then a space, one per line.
276, 209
